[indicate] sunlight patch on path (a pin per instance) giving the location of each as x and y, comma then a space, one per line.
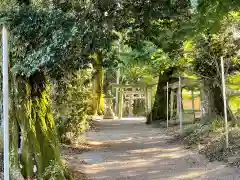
138, 152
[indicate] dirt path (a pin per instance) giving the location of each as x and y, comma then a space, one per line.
133, 151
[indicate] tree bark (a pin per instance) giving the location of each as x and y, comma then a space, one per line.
207, 101
15, 172
159, 110
212, 102
98, 101
40, 140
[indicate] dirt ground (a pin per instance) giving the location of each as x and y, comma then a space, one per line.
131, 150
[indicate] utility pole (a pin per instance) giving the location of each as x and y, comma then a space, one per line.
5, 101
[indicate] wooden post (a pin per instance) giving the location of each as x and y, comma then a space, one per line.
224, 101
146, 101
201, 101
180, 103
193, 105
167, 104
177, 94
149, 103
5, 101
171, 104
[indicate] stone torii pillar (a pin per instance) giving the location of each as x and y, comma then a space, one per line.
193, 105
130, 105
149, 96
120, 104
148, 102
171, 103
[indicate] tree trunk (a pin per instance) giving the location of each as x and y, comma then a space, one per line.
207, 101
40, 141
212, 102
98, 101
15, 172
159, 110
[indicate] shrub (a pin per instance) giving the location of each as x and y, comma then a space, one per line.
53, 171
195, 133
71, 105
217, 123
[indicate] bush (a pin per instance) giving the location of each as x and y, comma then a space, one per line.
213, 140
53, 171
71, 105
194, 134
215, 149
217, 123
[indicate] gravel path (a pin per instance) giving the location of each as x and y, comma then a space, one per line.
133, 151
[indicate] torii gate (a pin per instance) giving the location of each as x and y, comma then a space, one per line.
131, 92
183, 82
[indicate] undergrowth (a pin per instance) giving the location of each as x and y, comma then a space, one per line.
210, 140
71, 105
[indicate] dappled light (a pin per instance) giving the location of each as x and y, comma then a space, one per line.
197, 174
155, 150
120, 89
170, 155
131, 155
191, 175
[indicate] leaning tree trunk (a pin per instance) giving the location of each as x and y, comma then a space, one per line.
40, 141
159, 110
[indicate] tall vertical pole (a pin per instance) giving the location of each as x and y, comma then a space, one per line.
193, 105
117, 79
167, 104
120, 105
117, 91
201, 101
180, 103
171, 103
146, 101
149, 91
5, 101
224, 101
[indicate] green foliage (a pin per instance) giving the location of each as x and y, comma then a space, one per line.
216, 149
54, 40
40, 38
193, 134
205, 52
212, 12
217, 123
53, 171
71, 104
